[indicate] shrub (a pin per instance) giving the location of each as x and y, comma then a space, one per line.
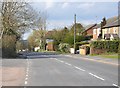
64, 47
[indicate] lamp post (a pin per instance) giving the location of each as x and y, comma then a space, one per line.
74, 31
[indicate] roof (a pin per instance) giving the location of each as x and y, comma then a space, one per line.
97, 26
89, 27
111, 22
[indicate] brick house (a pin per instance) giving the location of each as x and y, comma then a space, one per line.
108, 29
88, 30
111, 30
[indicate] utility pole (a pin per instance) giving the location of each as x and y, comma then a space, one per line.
74, 31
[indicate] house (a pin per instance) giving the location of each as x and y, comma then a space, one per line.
107, 29
111, 30
88, 30
97, 32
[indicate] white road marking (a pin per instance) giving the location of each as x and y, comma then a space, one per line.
116, 85
66, 63
56, 59
26, 78
97, 76
27, 70
69, 64
62, 61
25, 82
79, 68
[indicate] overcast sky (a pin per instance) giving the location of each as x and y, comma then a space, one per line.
60, 14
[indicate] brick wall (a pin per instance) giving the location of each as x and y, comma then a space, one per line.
50, 47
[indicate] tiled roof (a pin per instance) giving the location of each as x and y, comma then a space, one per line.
114, 21
97, 26
89, 26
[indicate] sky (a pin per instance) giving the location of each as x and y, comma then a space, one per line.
61, 14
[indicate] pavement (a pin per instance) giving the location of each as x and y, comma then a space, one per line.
96, 58
51, 69
13, 72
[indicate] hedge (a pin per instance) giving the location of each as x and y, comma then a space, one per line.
108, 46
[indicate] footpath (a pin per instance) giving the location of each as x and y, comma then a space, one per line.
95, 58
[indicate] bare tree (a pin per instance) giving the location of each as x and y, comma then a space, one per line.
17, 18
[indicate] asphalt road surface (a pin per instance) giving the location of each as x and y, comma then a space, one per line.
50, 69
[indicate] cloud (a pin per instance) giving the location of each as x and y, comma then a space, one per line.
86, 5
49, 4
65, 5
58, 24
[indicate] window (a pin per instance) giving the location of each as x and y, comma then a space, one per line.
94, 31
109, 30
105, 31
115, 30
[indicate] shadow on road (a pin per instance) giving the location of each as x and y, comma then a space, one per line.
36, 55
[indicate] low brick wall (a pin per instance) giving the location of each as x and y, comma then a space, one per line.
97, 51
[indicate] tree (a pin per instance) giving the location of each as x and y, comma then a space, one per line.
58, 36
36, 39
79, 29
19, 46
16, 19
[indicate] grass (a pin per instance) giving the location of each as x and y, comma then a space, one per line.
114, 56
107, 55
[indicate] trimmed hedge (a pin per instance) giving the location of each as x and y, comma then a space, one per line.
108, 46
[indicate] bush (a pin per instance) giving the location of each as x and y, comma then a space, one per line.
64, 47
108, 46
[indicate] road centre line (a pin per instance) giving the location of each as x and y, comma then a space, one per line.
97, 76
71, 65
62, 61
68, 64
26, 78
79, 68
25, 82
116, 85
83, 70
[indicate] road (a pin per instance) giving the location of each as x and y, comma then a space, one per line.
49, 69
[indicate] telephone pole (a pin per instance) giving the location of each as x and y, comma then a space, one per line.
74, 31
